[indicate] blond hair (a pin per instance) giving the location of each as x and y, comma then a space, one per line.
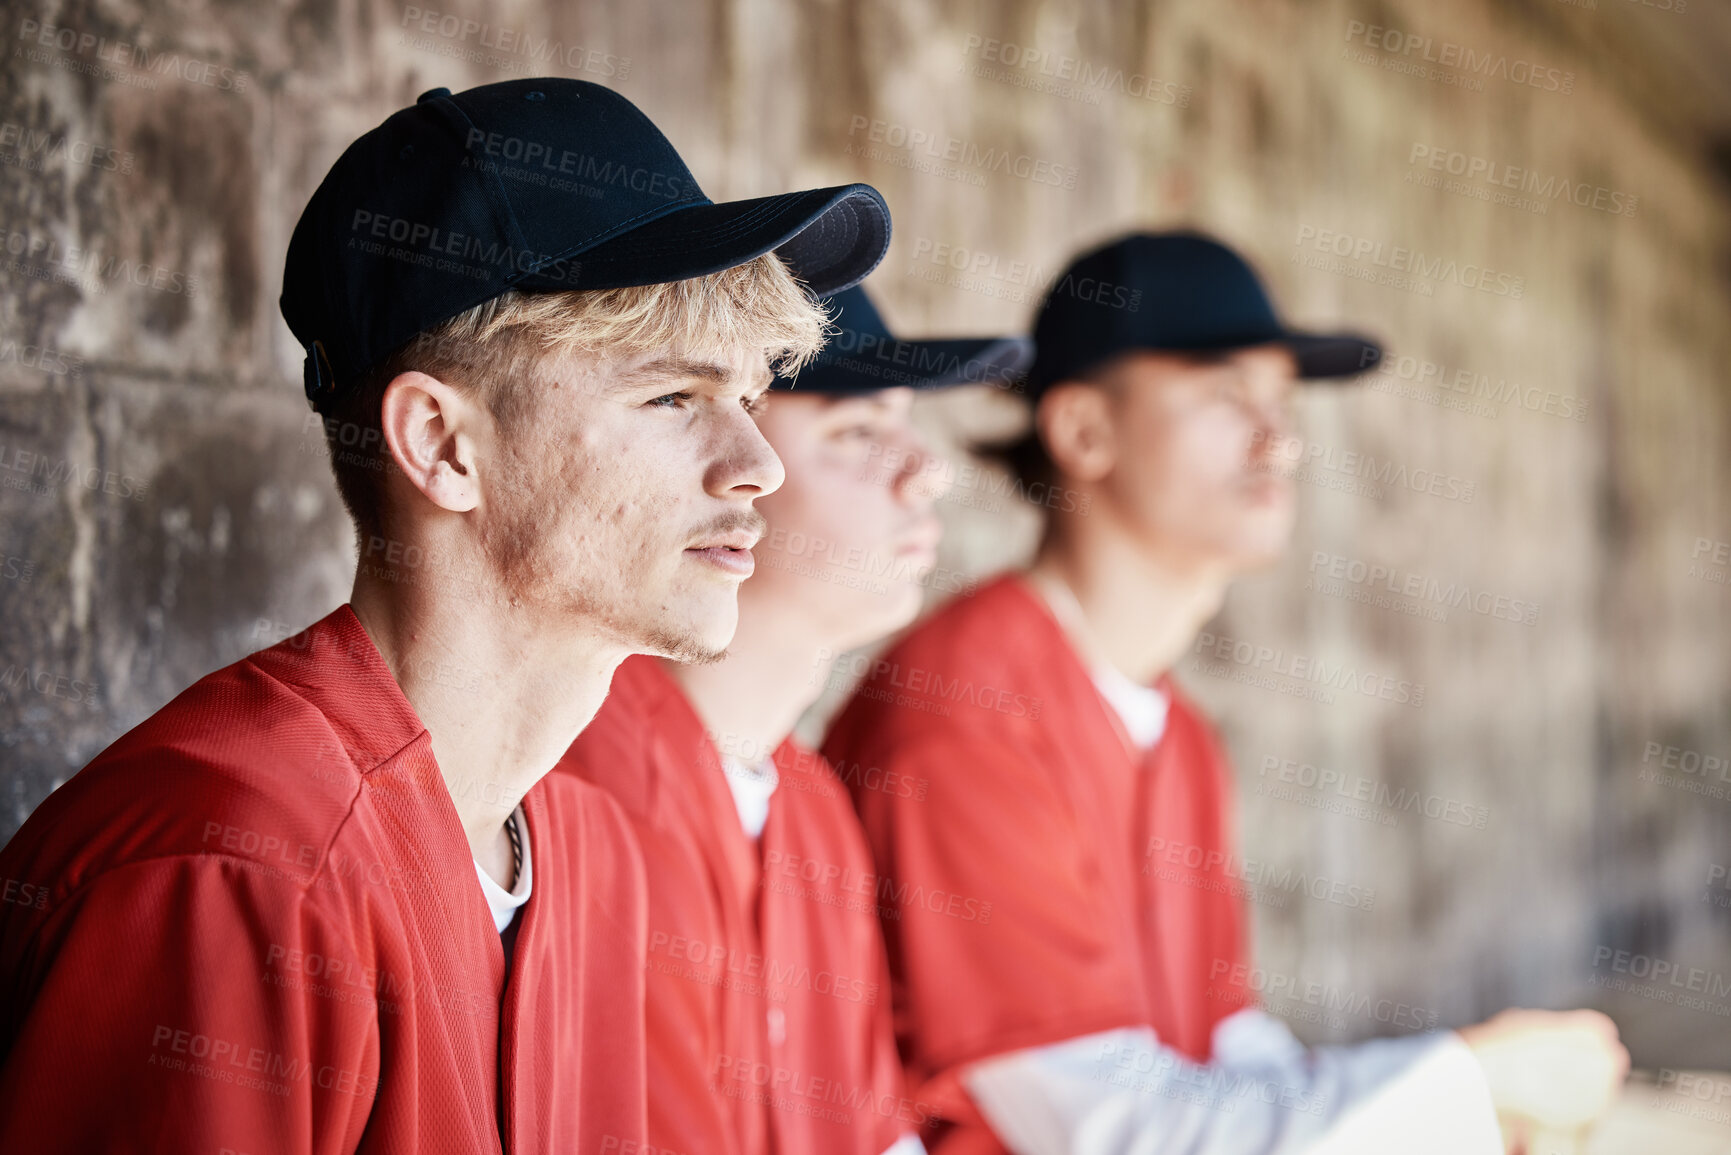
497, 348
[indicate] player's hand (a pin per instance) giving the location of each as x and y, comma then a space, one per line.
1559, 1069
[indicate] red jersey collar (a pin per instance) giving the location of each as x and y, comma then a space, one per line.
335, 666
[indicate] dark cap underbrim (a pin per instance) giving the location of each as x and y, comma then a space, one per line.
1333, 356
892, 364
1330, 357
831, 238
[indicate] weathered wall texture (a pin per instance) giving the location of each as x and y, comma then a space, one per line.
166, 506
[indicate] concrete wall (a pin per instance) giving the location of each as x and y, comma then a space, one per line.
166, 506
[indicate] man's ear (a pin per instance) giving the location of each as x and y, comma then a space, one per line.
1075, 422
431, 430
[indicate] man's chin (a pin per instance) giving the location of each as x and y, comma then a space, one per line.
693, 641
1262, 536
1257, 554
685, 651
874, 616
902, 605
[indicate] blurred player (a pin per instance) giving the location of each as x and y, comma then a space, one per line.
1075, 794
769, 1006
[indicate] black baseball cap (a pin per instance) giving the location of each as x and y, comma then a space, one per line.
862, 356
1178, 292
536, 185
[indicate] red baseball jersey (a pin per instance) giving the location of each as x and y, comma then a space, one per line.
768, 1005
1061, 881
253, 925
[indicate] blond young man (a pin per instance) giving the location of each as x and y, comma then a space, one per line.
325, 901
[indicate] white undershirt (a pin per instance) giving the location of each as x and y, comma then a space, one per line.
506, 903
1141, 708
1123, 1093
752, 786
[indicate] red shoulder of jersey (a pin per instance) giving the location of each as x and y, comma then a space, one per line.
260, 926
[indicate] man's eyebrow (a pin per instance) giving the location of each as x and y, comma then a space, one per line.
677, 367
1208, 357
877, 401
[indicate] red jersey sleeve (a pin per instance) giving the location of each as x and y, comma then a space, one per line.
214, 1035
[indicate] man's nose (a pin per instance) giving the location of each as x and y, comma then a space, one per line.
746, 464
924, 476
1272, 418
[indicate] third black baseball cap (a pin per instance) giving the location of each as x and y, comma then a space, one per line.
863, 356
536, 185
1178, 292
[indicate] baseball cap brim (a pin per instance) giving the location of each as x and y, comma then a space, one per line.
1333, 356
937, 364
830, 238
977, 360
1330, 357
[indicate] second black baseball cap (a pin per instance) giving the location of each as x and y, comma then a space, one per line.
536, 185
1178, 292
863, 356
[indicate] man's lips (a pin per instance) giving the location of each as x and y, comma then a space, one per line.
730, 551
922, 540
738, 562
1265, 485
731, 539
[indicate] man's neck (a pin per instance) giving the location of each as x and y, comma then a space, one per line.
751, 700
1140, 607
501, 696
